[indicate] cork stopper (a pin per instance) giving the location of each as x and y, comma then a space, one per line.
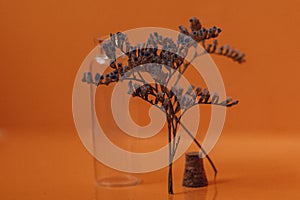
194, 173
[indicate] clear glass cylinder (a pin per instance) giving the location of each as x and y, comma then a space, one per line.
108, 180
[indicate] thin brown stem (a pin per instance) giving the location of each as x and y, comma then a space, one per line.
201, 148
170, 173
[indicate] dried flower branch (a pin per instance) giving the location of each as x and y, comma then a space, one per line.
161, 58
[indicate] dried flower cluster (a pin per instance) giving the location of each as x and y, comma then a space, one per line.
161, 57
201, 34
163, 97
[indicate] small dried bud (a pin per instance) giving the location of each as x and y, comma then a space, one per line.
116, 71
136, 86
226, 49
233, 103
120, 65
198, 91
224, 103
89, 78
204, 97
186, 102
130, 88
113, 65
189, 90
220, 50
214, 47
84, 78
215, 98
98, 78
166, 103
144, 91
159, 97
195, 24
183, 30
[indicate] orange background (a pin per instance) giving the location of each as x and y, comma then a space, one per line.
44, 42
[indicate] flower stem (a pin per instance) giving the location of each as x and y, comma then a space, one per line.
170, 174
201, 148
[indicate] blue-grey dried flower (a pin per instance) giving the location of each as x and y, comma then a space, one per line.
215, 98
84, 78
224, 103
89, 78
130, 88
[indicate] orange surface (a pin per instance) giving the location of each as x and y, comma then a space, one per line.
54, 165
44, 42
